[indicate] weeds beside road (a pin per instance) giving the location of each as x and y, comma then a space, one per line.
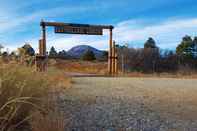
25, 98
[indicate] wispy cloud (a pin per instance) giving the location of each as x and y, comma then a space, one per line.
62, 42
134, 31
167, 34
18, 22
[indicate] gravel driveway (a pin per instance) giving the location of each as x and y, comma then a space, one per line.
130, 104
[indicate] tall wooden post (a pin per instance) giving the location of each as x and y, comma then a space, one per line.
41, 53
113, 58
110, 52
44, 37
41, 58
116, 61
44, 63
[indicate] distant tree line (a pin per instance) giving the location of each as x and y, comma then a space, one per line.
148, 59
152, 59
24, 55
87, 56
61, 54
27, 52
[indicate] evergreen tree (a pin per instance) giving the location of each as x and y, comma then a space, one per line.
63, 54
150, 43
194, 47
151, 55
52, 52
89, 56
185, 48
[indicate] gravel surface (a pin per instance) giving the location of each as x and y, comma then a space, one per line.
130, 104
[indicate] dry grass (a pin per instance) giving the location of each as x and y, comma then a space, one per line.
100, 68
82, 66
50, 122
23, 92
58, 77
53, 120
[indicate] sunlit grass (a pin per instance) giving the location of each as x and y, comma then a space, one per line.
23, 93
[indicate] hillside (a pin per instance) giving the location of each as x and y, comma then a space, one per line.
78, 51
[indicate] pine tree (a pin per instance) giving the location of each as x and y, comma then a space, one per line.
151, 52
89, 56
185, 48
52, 52
150, 43
194, 46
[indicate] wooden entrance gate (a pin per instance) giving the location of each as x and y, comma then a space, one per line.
71, 28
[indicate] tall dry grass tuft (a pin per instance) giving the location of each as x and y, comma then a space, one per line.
50, 122
21, 94
53, 120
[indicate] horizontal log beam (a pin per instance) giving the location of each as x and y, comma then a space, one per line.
42, 23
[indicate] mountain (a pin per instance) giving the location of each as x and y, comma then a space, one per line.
79, 50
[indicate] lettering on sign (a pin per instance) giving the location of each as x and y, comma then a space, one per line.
79, 30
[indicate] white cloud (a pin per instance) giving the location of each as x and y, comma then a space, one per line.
167, 35
14, 21
66, 43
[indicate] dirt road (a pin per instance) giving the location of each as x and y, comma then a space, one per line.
133, 104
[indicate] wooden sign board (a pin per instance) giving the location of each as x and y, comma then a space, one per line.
86, 30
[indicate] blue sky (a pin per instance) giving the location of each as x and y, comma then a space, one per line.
167, 21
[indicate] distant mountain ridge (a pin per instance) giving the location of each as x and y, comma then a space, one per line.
78, 51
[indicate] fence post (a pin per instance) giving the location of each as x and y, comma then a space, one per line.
116, 61
41, 58
110, 53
